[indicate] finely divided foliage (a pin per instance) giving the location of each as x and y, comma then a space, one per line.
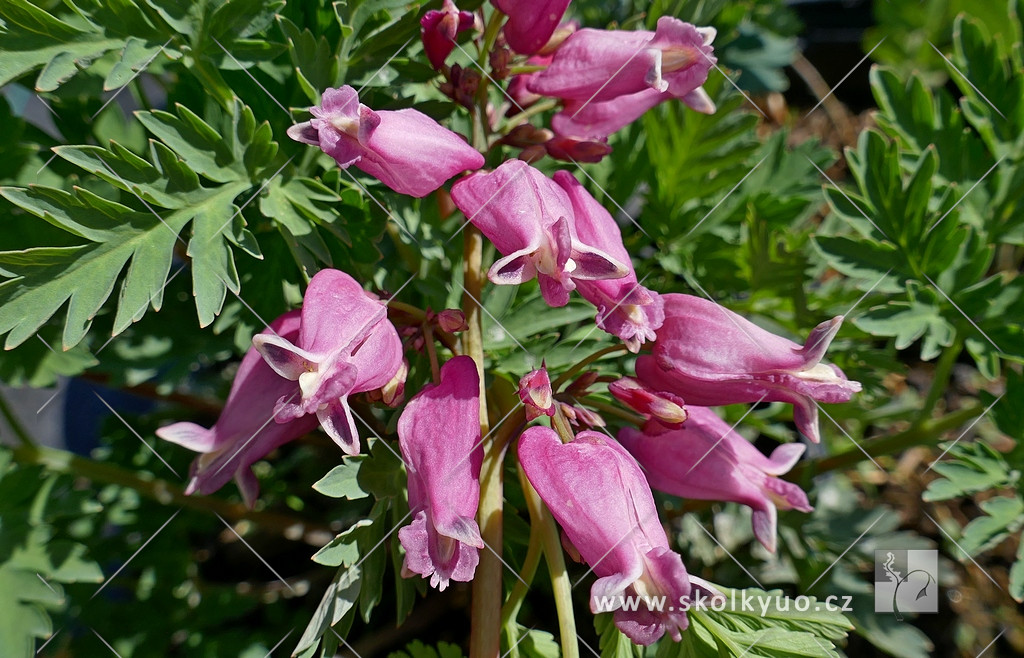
470, 286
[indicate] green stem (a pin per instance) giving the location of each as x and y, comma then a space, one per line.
923, 433
15, 424
485, 632
540, 517
166, 493
510, 611
601, 405
524, 69
940, 379
522, 117
568, 374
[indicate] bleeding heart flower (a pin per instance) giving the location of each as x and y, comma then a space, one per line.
710, 356
600, 65
598, 494
439, 29
439, 435
707, 460
597, 120
245, 432
346, 345
531, 221
404, 149
535, 392
624, 307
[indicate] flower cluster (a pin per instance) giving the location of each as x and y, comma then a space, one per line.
305, 368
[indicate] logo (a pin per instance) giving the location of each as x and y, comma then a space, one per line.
906, 581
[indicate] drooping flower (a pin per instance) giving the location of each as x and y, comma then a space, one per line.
530, 22
571, 149
597, 120
624, 307
664, 407
600, 65
346, 345
439, 29
535, 393
245, 430
711, 356
530, 220
598, 494
707, 460
439, 435
404, 149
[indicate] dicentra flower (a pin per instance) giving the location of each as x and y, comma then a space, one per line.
346, 345
530, 22
404, 149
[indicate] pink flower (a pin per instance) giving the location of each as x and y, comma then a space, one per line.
598, 120
666, 408
530, 22
530, 220
624, 307
439, 29
244, 432
600, 65
346, 345
535, 392
706, 460
570, 149
598, 494
709, 356
404, 149
439, 435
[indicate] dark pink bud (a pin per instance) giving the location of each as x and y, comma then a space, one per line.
452, 320
707, 460
439, 29
570, 149
535, 392
665, 407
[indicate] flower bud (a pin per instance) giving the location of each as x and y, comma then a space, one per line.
665, 407
535, 392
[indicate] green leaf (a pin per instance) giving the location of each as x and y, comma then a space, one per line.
909, 321
1003, 516
23, 618
342, 481
417, 649
337, 603
971, 467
